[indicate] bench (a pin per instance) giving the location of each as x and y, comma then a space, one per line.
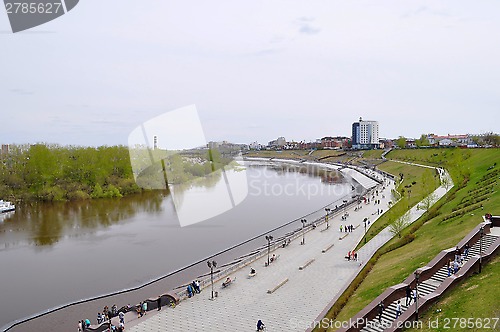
309, 262
327, 248
272, 290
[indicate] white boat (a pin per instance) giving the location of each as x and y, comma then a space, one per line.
6, 206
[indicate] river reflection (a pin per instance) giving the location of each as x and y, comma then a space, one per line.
44, 224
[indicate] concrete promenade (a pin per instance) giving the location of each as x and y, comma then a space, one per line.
293, 306
308, 291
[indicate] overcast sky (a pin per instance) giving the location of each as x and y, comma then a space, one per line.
254, 69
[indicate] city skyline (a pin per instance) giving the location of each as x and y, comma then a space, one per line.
255, 70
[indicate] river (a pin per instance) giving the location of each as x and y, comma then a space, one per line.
56, 253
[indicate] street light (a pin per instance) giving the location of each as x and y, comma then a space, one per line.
212, 265
326, 217
269, 239
365, 220
481, 233
417, 275
303, 221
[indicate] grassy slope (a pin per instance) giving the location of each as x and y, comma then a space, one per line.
435, 235
426, 182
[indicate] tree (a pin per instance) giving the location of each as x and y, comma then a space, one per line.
396, 228
422, 141
491, 139
446, 182
401, 142
427, 202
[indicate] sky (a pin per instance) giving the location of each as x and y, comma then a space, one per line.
255, 70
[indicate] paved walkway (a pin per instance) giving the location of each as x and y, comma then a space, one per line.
295, 305
291, 307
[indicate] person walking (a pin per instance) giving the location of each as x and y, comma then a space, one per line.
408, 295
121, 315
145, 307
158, 302
398, 309
380, 310
260, 325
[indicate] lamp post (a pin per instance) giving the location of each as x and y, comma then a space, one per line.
212, 265
326, 217
269, 239
365, 221
417, 275
481, 233
303, 221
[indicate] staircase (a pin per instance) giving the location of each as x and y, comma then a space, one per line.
424, 288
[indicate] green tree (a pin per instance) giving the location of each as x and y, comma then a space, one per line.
422, 141
401, 142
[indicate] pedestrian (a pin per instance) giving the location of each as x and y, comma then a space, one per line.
145, 307
87, 323
158, 302
398, 309
455, 267
139, 310
114, 310
121, 327
83, 325
340, 228
80, 327
466, 250
99, 318
193, 284
349, 255
449, 267
408, 295
198, 289
121, 315
190, 290
380, 310
356, 256
414, 295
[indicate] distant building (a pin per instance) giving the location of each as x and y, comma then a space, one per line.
277, 143
450, 140
255, 146
365, 134
5, 149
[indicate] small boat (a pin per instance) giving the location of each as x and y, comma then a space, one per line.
6, 206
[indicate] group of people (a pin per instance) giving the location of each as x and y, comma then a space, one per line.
352, 255
193, 288
411, 295
346, 228
458, 262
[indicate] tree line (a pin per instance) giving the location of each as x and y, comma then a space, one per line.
56, 173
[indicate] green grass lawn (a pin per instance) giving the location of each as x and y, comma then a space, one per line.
418, 182
472, 171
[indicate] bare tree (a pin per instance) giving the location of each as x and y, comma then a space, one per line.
427, 202
446, 182
396, 228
